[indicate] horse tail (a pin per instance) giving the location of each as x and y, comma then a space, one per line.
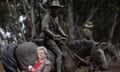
8, 59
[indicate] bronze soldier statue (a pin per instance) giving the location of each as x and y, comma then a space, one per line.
53, 33
87, 32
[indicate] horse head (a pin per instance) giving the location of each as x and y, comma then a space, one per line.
109, 49
98, 58
84, 48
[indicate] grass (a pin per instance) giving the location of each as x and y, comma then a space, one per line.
83, 69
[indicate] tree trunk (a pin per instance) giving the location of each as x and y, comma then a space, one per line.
33, 19
70, 19
113, 28
16, 22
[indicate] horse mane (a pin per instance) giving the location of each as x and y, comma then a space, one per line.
81, 43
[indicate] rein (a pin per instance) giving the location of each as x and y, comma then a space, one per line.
92, 68
73, 54
81, 59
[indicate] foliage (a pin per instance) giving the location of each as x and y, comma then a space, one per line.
102, 18
4, 14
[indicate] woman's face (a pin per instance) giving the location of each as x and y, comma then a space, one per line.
41, 54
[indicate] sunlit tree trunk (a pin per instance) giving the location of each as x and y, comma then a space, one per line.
33, 19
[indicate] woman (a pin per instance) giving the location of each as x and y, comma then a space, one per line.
42, 65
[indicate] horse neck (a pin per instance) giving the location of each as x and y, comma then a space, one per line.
83, 52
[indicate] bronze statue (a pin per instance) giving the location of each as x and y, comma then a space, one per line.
52, 32
87, 32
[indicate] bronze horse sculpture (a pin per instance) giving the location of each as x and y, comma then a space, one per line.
20, 56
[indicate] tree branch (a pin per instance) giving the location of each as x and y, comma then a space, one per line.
113, 27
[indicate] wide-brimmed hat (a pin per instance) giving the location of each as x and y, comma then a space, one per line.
56, 3
89, 24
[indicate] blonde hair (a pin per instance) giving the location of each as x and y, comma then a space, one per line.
42, 48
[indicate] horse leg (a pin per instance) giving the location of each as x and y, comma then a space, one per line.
92, 68
69, 65
98, 56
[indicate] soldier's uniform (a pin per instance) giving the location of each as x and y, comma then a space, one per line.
52, 31
88, 34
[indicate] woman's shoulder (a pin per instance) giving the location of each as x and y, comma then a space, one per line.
47, 62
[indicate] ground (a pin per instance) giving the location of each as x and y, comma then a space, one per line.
114, 67
1, 67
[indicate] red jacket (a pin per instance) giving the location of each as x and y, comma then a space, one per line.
43, 67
